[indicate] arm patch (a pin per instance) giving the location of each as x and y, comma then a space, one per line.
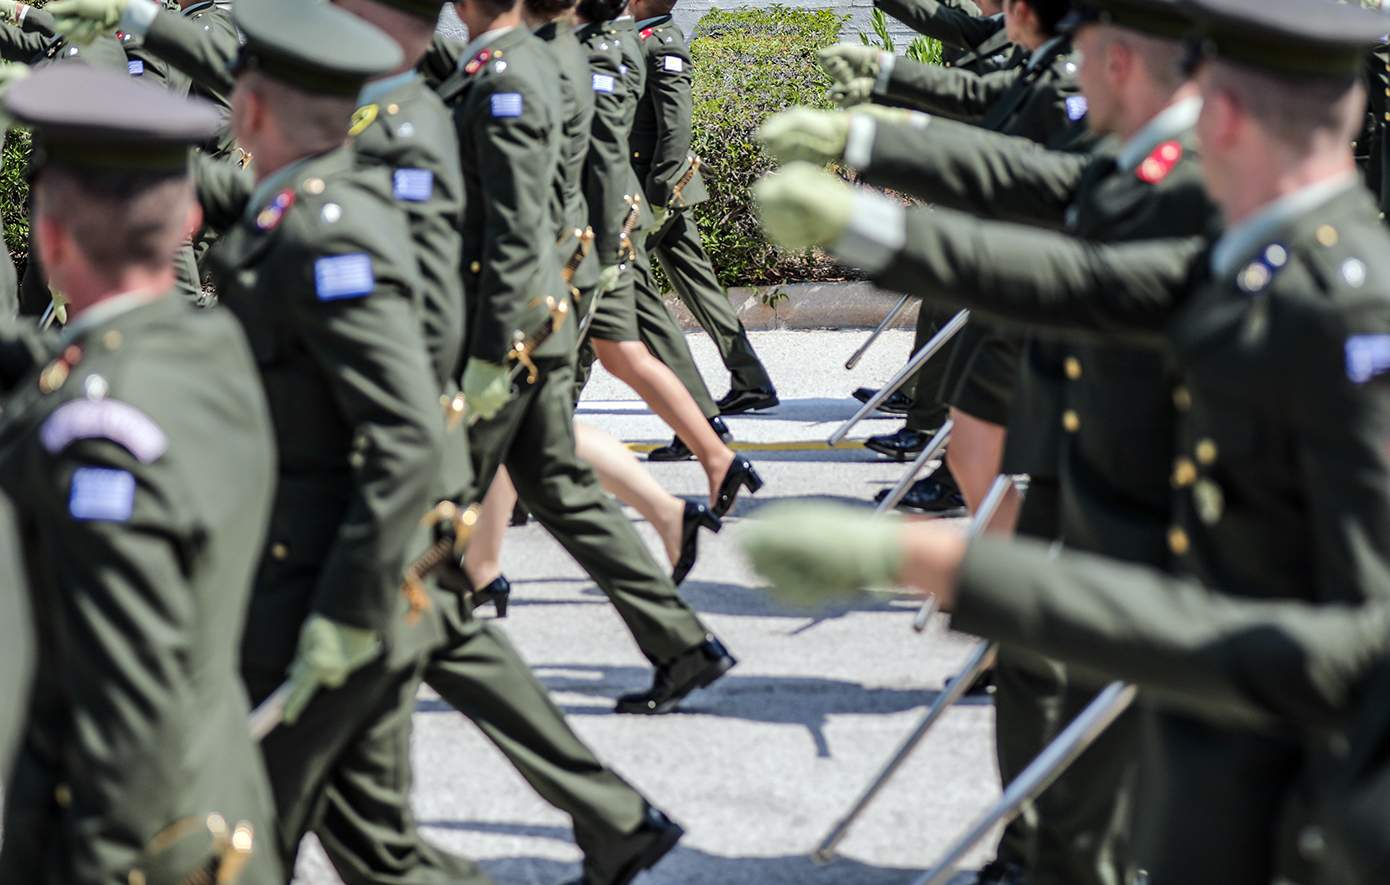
102, 493
1367, 357
604, 82
674, 64
344, 276
110, 419
506, 104
414, 185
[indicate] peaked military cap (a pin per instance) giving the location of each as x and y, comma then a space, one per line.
1162, 18
94, 118
424, 8
312, 45
1292, 36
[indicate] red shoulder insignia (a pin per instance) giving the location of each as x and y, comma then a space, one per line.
477, 63
270, 216
646, 32
1158, 164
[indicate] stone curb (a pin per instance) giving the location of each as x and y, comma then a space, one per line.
854, 305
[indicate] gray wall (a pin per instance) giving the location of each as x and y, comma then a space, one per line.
688, 12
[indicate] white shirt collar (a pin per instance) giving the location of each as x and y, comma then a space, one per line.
1239, 242
1170, 123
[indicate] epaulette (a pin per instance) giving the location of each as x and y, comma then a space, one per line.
1158, 164
269, 217
646, 32
478, 61
1262, 270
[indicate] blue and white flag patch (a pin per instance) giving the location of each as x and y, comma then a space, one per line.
102, 493
1076, 107
673, 63
604, 82
506, 104
135, 67
414, 185
1367, 357
344, 276
104, 419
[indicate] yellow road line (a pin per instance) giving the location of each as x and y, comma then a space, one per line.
799, 446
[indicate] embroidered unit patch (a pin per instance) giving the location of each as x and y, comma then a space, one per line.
270, 216
676, 65
135, 67
344, 276
104, 419
414, 185
506, 104
1367, 357
1076, 107
102, 493
604, 83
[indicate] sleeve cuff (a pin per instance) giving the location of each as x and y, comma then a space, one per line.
877, 233
859, 144
138, 17
886, 62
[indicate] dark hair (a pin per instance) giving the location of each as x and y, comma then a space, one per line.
547, 8
600, 10
1049, 12
118, 219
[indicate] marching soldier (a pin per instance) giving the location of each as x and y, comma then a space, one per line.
1277, 327
506, 111
970, 39
660, 142
139, 460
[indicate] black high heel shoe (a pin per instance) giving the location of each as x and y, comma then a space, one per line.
741, 473
498, 593
696, 515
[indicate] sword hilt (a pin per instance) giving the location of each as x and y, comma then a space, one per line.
695, 164
634, 212
586, 242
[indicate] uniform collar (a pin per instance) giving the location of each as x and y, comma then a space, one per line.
477, 43
1045, 52
197, 8
652, 22
1241, 241
103, 312
379, 89
274, 182
1170, 123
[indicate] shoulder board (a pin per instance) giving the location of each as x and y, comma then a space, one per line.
1158, 164
478, 61
1261, 271
269, 217
55, 374
110, 419
1351, 270
645, 33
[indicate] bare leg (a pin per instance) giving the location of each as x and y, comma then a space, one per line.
631, 362
483, 562
623, 477
974, 455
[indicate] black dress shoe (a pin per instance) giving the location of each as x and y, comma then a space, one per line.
693, 669
996, 873
521, 514
497, 593
639, 850
696, 515
899, 446
741, 473
898, 402
930, 496
679, 451
736, 402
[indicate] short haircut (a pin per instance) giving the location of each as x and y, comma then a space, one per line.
548, 9
117, 219
660, 7
1162, 56
1294, 108
310, 121
600, 10
1049, 12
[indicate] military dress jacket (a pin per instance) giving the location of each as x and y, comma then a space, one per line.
969, 40
16, 637
37, 44
1283, 409
1098, 417
140, 461
201, 42
623, 31
661, 129
506, 109
1038, 99
319, 268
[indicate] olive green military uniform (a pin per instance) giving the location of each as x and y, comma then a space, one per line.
17, 645
660, 143
1101, 422
316, 266
200, 42
970, 41
508, 118
1278, 466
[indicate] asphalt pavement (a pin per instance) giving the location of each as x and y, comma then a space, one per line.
760, 765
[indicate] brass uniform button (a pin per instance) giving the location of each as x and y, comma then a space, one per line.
1071, 422
1182, 398
393, 109
314, 185
1327, 235
1206, 452
1072, 367
112, 340
1178, 542
476, 266
62, 794
1184, 473
1209, 500
279, 551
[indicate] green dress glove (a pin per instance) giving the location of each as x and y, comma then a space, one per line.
486, 388
848, 61
608, 278
804, 206
82, 21
9, 12
328, 653
811, 553
852, 94
659, 216
806, 134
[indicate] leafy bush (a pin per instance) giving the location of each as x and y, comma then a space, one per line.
749, 64
14, 196
921, 49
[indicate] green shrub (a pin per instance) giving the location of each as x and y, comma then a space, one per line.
922, 49
14, 196
749, 64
